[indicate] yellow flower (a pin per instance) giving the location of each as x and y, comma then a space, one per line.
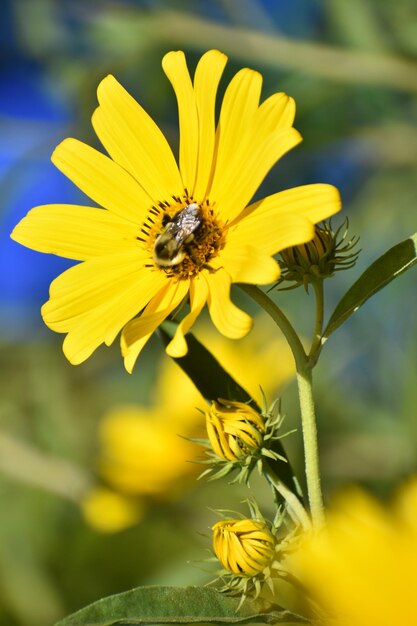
244, 547
171, 233
109, 512
234, 429
362, 570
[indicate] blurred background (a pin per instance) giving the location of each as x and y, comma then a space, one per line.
78, 445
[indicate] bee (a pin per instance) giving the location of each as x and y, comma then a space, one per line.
178, 231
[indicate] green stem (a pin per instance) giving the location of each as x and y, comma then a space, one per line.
318, 328
281, 320
305, 393
295, 509
311, 455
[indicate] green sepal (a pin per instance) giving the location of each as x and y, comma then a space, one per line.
214, 382
177, 605
393, 263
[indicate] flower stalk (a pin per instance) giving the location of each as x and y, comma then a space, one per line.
281, 320
318, 328
305, 394
295, 509
311, 455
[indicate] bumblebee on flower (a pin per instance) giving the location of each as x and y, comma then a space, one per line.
168, 233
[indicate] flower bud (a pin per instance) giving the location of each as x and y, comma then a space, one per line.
244, 547
234, 429
321, 257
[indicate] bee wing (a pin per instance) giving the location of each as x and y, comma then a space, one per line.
184, 223
175, 231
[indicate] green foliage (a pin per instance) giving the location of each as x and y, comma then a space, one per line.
176, 605
393, 263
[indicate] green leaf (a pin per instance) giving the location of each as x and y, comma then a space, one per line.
214, 382
390, 265
176, 605
207, 374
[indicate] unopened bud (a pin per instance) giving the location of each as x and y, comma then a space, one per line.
330, 251
244, 547
234, 429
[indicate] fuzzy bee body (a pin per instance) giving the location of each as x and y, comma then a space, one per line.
178, 231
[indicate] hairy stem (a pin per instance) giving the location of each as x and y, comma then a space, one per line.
294, 507
305, 394
311, 455
318, 328
281, 320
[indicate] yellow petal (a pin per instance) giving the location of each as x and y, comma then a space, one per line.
198, 297
150, 284
87, 285
95, 299
134, 141
227, 318
137, 332
218, 439
315, 202
175, 67
236, 188
238, 111
206, 80
250, 139
142, 327
273, 234
277, 111
135, 336
214, 436
74, 232
247, 264
102, 179
102, 324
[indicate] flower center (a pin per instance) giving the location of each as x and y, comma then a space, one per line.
182, 236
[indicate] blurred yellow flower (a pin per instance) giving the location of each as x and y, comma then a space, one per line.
143, 454
362, 569
109, 512
167, 233
244, 547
